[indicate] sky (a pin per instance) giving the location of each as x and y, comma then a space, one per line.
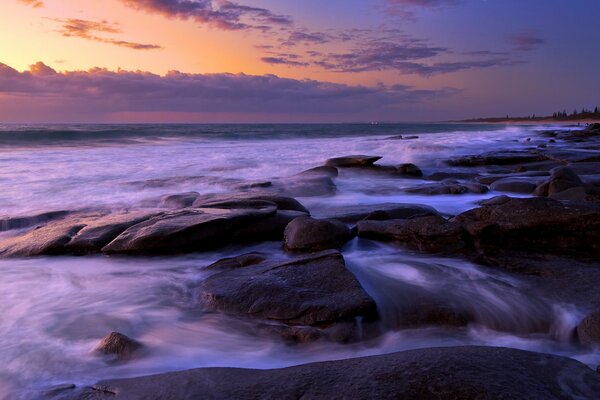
295, 60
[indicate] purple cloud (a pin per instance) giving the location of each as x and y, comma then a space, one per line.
221, 14
289, 61
100, 92
526, 41
86, 29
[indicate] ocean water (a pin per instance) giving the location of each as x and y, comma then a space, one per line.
54, 310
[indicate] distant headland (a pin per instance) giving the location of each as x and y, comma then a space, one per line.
563, 116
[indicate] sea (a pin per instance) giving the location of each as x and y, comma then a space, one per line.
53, 310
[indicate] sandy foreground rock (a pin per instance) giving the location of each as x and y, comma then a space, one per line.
482, 373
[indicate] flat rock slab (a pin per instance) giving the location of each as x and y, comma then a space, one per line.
497, 158
313, 290
446, 373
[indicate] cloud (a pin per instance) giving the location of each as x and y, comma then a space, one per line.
284, 61
88, 30
33, 3
220, 14
303, 37
100, 92
526, 41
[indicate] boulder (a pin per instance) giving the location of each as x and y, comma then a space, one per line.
354, 213
330, 172
561, 179
309, 234
588, 330
443, 373
218, 200
410, 170
431, 234
535, 225
240, 261
190, 230
118, 345
315, 290
352, 161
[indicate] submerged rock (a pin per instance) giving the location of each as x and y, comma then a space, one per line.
309, 234
315, 290
444, 373
118, 345
514, 185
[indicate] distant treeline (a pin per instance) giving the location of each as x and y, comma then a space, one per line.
557, 116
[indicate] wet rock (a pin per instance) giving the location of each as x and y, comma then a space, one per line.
330, 172
305, 186
99, 232
430, 234
535, 177
268, 229
513, 185
58, 389
9, 223
588, 330
118, 345
535, 224
300, 292
561, 179
309, 234
190, 230
449, 187
352, 161
444, 373
180, 200
443, 175
240, 261
496, 200
410, 169
572, 155
354, 213
219, 200
497, 158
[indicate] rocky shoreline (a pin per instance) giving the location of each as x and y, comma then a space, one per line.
544, 225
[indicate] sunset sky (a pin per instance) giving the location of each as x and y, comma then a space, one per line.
295, 61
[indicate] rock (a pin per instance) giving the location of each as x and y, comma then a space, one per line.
535, 225
448, 187
572, 155
118, 345
315, 290
9, 223
410, 169
535, 177
430, 234
513, 185
443, 373
497, 158
180, 200
190, 230
58, 389
585, 168
496, 200
353, 213
98, 233
443, 175
305, 186
309, 234
352, 161
330, 172
219, 200
588, 330
561, 179
240, 261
